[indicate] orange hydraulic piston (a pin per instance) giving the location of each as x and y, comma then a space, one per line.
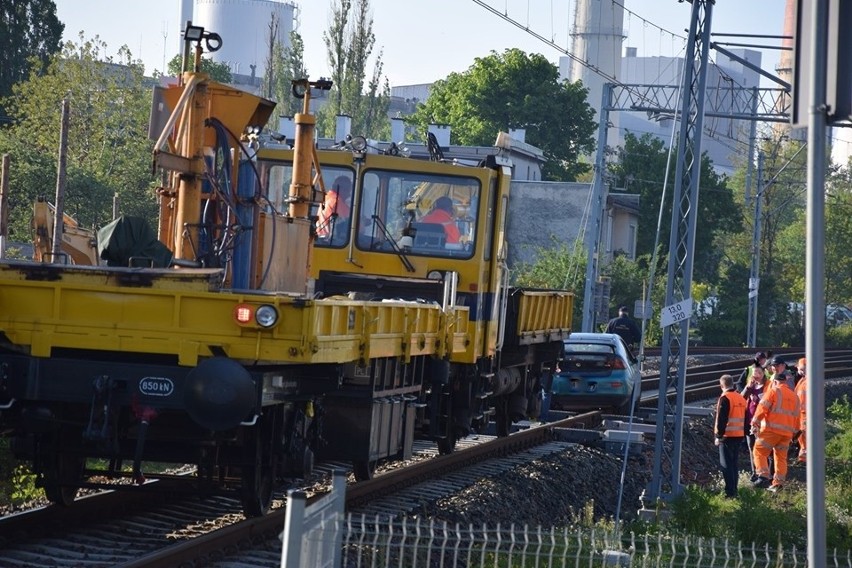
191, 145
300, 188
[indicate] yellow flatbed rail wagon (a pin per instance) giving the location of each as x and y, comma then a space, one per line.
258, 329
47, 309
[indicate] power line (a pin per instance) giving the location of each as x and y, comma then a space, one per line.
646, 21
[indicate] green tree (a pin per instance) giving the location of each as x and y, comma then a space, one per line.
108, 148
726, 325
838, 228
218, 71
629, 281
287, 63
515, 90
349, 43
557, 267
641, 167
30, 33
782, 251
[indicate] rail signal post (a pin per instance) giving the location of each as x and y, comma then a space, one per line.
822, 97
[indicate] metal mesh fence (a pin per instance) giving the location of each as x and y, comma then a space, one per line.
370, 541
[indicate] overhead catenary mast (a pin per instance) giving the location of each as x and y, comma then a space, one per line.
678, 303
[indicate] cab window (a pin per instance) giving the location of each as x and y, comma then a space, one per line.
418, 213
331, 211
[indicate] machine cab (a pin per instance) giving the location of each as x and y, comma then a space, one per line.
398, 228
399, 218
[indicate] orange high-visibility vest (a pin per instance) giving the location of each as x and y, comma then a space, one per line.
736, 414
802, 393
778, 411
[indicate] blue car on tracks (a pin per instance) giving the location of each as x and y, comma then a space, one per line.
596, 371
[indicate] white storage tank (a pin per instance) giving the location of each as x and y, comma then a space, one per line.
244, 27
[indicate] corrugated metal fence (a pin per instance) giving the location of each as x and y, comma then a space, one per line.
322, 536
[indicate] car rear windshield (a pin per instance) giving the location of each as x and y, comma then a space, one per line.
588, 357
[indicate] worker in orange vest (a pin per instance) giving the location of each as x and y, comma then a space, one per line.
801, 393
775, 423
730, 432
442, 213
333, 215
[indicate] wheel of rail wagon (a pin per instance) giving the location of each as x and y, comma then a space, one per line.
502, 419
256, 494
447, 445
61, 479
258, 475
364, 469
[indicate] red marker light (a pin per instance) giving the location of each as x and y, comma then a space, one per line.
243, 313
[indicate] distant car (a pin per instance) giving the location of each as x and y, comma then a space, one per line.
597, 371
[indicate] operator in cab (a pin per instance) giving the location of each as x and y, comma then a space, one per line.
334, 213
442, 214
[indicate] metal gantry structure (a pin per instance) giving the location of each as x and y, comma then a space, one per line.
688, 103
681, 254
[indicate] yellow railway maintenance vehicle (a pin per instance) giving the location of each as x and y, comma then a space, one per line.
248, 339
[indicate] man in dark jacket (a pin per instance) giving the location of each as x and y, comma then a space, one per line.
625, 327
730, 432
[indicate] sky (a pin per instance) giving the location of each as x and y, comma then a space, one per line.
425, 40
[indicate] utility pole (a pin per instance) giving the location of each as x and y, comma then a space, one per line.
752, 142
754, 277
59, 212
754, 104
593, 229
4, 204
823, 97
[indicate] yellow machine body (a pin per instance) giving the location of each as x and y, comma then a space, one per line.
246, 340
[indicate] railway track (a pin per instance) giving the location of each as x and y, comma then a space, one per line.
747, 352
157, 527
193, 531
703, 381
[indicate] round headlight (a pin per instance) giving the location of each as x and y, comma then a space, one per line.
266, 316
358, 143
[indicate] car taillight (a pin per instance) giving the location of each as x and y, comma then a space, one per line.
617, 363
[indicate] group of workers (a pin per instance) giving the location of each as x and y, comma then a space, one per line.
769, 413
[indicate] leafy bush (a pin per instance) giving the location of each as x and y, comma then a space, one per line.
839, 336
17, 483
695, 512
766, 518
